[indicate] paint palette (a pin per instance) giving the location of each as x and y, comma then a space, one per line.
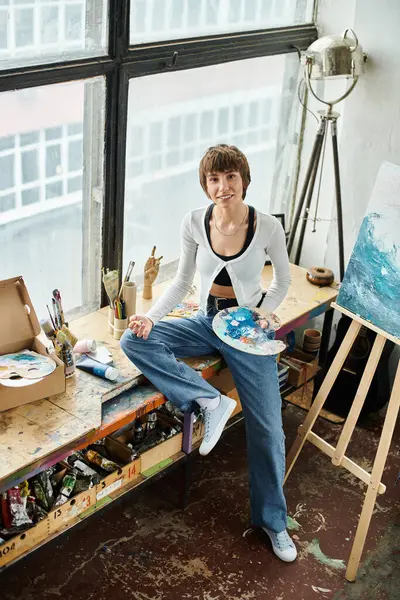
186, 309
26, 365
239, 327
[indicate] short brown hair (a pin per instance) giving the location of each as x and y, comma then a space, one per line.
221, 158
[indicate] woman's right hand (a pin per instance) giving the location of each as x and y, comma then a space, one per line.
140, 325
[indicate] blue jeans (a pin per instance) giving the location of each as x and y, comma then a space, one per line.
256, 380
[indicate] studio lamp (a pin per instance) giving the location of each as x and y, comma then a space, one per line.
329, 58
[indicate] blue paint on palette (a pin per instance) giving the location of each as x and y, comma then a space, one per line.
371, 286
238, 327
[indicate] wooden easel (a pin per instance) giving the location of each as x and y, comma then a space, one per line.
305, 433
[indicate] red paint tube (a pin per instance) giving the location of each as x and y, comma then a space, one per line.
5, 511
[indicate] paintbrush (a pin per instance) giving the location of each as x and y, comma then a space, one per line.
127, 276
51, 318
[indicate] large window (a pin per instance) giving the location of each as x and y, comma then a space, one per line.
47, 223
38, 31
227, 103
107, 107
155, 20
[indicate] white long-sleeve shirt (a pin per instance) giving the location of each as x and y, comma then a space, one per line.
244, 271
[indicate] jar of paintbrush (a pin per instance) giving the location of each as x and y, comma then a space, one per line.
125, 304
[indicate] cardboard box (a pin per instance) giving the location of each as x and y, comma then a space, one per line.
304, 370
19, 328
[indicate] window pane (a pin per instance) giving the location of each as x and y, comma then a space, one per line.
50, 164
7, 202
30, 196
49, 22
250, 103
3, 29
29, 166
74, 21
38, 31
6, 171
28, 138
24, 27
53, 160
75, 155
157, 20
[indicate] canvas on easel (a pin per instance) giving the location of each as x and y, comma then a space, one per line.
371, 286
367, 295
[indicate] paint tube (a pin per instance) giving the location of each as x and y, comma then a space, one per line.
96, 368
24, 488
104, 463
39, 494
5, 511
67, 485
83, 483
18, 511
86, 470
83, 346
44, 480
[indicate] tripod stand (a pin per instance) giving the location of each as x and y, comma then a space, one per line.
309, 183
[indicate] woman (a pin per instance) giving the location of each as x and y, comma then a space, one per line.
228, 243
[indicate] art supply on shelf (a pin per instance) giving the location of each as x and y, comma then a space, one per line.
19, 516
110, 281
111, 315
51, 317
96, 458
48, 328
26, 365
239, 327
67, 355
67, 485
320, 276
85, 363
101, 355
84, 346
119, 309
312, 340
120, 326
69, 335
129, 293
59, 308
186, 308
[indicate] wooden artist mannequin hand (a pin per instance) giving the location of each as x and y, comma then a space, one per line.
140, 325
151, 269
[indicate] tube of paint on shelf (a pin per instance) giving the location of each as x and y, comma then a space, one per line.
85, 470
5, 511
83, 346
67, 485
39, 494
96, 458
19, 516
95, 368
44, 480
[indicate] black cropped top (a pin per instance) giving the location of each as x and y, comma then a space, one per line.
223, 276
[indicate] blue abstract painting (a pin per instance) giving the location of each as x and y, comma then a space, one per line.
371, 285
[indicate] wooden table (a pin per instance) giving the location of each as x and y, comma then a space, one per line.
40, 434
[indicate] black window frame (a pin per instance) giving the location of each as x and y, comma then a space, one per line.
124, 62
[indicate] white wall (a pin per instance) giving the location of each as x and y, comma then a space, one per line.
369, 126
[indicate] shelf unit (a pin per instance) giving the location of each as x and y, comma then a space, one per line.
124, 408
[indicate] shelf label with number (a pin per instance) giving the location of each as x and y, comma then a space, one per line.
110, 488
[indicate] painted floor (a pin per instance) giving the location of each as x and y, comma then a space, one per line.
146, 548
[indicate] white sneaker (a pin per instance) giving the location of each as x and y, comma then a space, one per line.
214, 423
282, 545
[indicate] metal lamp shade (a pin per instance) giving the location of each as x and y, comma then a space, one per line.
335, 56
